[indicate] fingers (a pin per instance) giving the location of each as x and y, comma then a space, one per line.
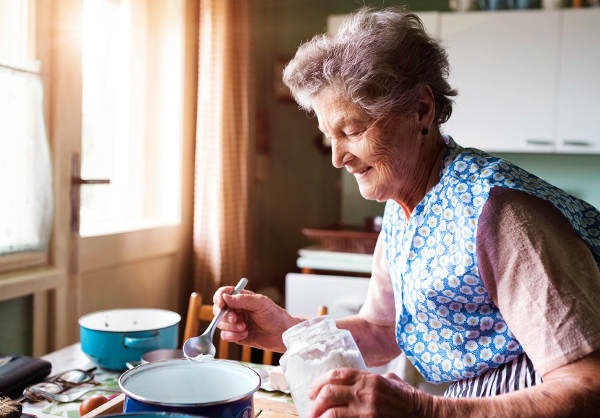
234, 336
233, 321
334, 377
353, 393
218, 296
394, 377
253, 319
332, 391
247, 301
218, 300
345, 397
233, 327
332, 399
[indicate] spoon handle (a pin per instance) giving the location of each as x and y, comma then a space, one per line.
217, 318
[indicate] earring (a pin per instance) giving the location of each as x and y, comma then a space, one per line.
424, 131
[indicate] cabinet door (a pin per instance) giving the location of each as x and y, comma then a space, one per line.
578, 129
504, 65
304, 293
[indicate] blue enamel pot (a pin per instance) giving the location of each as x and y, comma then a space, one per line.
152, 415
211, 388
111, 339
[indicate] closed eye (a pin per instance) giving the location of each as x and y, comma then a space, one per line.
354, 134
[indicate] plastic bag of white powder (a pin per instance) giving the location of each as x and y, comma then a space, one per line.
315, 347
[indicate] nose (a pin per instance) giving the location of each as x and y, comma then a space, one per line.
338, 153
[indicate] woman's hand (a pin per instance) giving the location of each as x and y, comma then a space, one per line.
568, 391
253, 319
357, 393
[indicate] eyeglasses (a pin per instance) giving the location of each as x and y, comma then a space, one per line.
59, 383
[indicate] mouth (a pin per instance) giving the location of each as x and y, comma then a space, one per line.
359, 172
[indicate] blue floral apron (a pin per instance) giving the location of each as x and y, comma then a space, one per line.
446, 322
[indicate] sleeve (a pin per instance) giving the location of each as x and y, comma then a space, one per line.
379, 305
541, 275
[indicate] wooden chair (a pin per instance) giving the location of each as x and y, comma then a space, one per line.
197, 312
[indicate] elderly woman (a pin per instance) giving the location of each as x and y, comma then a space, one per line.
484, 275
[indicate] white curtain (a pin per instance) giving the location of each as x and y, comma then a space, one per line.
25, 170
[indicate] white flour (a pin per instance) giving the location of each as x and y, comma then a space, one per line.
300, 371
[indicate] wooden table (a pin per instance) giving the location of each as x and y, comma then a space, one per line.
269, 408
266, 404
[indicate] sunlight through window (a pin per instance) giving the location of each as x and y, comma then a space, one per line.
132, 123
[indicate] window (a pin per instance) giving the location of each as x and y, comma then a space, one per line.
25, 169
132, 123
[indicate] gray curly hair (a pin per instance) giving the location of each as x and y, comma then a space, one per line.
379, 59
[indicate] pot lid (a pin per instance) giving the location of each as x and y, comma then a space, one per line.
183, 382
129, 320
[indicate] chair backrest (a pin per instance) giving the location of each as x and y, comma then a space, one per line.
197, 313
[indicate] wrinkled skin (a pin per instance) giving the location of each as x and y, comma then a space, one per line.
356, 393
253, 319
395, 157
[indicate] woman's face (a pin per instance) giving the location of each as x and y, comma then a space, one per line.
382, 155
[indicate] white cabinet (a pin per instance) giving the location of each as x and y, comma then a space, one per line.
527, 80
343, 295
578, 128
504, 65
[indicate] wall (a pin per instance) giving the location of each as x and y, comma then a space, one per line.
16, 327
579, 175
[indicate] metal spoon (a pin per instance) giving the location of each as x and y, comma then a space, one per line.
67, 397
196, 348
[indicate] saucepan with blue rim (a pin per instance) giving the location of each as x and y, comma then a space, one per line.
212, 388
112, 338
153, 415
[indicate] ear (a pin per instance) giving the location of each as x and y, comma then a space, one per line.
425, 107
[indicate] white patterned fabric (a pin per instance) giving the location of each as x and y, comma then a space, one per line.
509, 377
446, 322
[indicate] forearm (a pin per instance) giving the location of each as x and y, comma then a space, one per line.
571, 391
377, 343
543, 401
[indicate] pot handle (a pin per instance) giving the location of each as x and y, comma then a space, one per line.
140, 342
132, 364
